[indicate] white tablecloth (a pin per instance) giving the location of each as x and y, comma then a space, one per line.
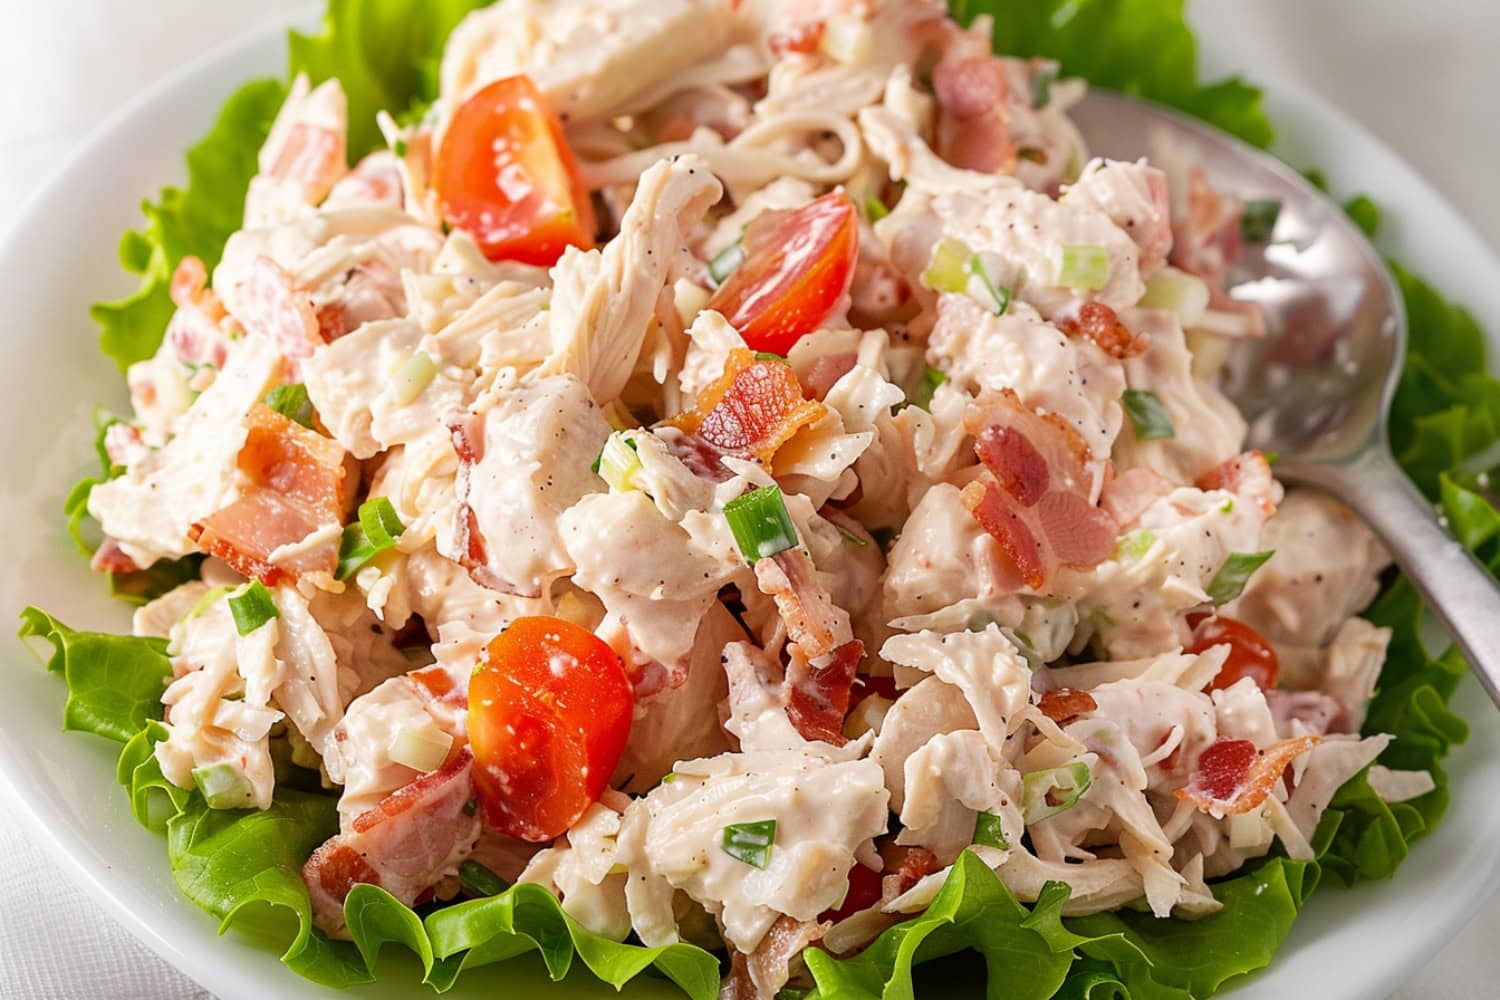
1419, 75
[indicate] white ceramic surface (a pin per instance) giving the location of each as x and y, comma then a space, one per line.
1347, 944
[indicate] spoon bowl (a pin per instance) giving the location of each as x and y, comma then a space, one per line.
1317, 388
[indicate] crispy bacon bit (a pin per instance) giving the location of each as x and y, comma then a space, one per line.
768, 968
1098, 323
331, 323
824, 654
974, 122
918, 863
467, 431
409, 841
271, 305
802, 39
751, 410
110, 558
194, 333
1067, 704
295, 482
1130, 494
1036, 506
1247, 476
1233, 777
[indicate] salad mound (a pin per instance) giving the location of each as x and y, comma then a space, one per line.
735, 489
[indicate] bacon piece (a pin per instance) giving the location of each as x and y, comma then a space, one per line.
1130, 494
406, 844
974, 123
272, 306
1247, 476
751, 410
824, 654
1065, 705
195, 333
1036, 503
1233, 777
295, 482
110, 558
1101, 326
768, 968
467, 432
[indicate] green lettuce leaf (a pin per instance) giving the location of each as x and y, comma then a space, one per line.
192, 221
384, 52
114, 682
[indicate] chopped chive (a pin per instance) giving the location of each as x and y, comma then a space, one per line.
750, 842
1084, 265
760, 523
770, 356
252, 607
1227, 507
413, 378
1271, 457
725, 261
1259, 220
1135, 545
875, 209
671, 777
1000, 294
1055, 790
480, 880
853, 539
1041, 85
373, 532
948, 270
932, 378
1147, 415
291, 402
619, 463
990, 832
1229, 582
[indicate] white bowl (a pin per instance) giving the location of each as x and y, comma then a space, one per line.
61, 257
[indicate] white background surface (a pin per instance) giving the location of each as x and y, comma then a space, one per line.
1418, 75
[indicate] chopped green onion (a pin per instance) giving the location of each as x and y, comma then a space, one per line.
725, 262
480, 880
413, 378
422, 748
1032, 154
1365, 214
1227, 507
932, 378
1271, 457
1259, 220
760, 523
1147, 415
1179, 292
1041, 85
291, 402
401, 148
1229, 582
1055, 790
378, 518
374, 532
619, 463
770, 356
1084, 265
750, 842
1135, 545
875, 209
948, 270
208, 599
1001, 295
990, 832
251, 607
224, 787
671, 777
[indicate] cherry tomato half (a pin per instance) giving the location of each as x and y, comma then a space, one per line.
550, 708
1250, 655
506, 176
797, 266
864, 892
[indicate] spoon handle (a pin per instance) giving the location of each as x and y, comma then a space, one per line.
1458, 589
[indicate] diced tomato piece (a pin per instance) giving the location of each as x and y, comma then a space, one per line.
1250, 655
1233, 777
505, 175
864, 892
798, 264
550, 708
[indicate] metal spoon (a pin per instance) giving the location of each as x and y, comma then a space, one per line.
1317, 389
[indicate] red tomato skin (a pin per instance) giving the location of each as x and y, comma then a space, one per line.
797, 267
505, 175
1250, 655
864, 892
550, 708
